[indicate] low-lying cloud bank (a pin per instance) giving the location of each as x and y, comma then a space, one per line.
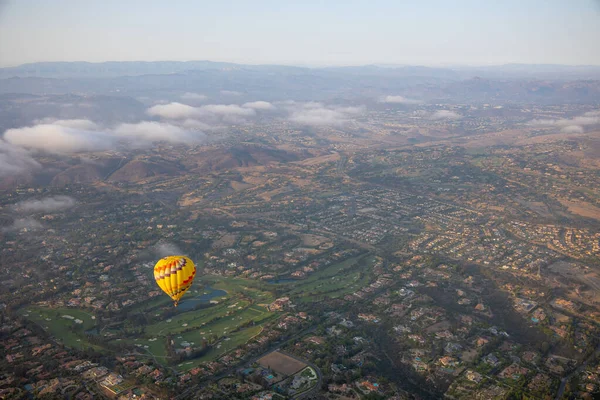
570, 125
179, 124
48, 204
165, 249
317, 114
58, 138
445, 114
259, 105
23, 223
211, 114
400, 100
193, 96
230, 93
144, 133
74, 136
15, 160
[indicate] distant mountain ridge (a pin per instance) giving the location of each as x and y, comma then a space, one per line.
112, 69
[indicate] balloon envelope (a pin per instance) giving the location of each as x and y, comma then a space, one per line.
174, 275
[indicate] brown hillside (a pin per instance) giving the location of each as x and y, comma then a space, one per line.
138, 170
220, 159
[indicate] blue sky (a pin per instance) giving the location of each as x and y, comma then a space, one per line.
307, 32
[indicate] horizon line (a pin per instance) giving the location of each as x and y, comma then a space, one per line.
315, 65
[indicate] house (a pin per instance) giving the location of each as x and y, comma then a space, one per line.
473, 376
513, 371
368, 387
368, 317
156, 375
448, 361
491, 359
316, 340
347, 323
338, 388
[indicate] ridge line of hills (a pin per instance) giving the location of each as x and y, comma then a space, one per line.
84, 69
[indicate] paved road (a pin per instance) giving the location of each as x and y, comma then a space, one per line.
563, 381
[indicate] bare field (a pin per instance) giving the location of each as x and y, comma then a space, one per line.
578, 272
189, 199
225, 241
581, 208
237, 186
281, 363
320, 160
313, 240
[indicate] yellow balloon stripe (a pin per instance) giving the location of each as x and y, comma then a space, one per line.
174, 275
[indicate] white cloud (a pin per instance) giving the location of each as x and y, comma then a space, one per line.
58, 138
195, 124
83, 124
194, 96
572, 129
210, 114
20, 224
400, 100
165, 249
259, 105
316, 114
227, 110
15, 160
445, 114
48, 204
230, 93
588, 118
146, 132
173, 111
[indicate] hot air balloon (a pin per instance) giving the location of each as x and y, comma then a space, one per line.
174, 275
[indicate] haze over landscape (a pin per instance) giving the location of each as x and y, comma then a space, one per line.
375, 200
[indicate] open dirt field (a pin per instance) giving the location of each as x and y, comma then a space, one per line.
281, 363
582, 208
225, 241
313, 240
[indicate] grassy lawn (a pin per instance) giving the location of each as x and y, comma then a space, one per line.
121, 387
155, 347
197, 289
217, 320
346, 286
234, 340
226, 324
155, 302
63, 329
333, 281
309, 373
194, 319
257, 291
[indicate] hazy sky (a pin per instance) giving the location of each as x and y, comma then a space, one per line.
306, 32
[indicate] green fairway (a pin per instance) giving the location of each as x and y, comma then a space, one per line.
155, 302
195, 319
156, 346
334, 281
63, 324
233, 341
333, 287
241, 306
255, 290
227, 324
